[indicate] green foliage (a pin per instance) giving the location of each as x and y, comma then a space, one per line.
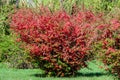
12, 54
10, 51
5, 41
95, 5
7, 2
5, 12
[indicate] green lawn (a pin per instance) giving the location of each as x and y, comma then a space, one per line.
93, 73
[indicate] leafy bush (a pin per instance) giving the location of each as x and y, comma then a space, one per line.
10, 52
5, 12
107, 46
57, 41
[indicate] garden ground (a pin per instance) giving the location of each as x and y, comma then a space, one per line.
91, 73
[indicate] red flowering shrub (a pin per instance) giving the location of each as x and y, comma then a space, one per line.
59, 42
107, 45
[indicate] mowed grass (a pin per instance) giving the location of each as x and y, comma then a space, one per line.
92, 73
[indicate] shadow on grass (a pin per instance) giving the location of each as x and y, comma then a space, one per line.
98, 74
39, 75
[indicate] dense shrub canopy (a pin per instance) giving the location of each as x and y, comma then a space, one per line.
108, 45
58, 41
61, 43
